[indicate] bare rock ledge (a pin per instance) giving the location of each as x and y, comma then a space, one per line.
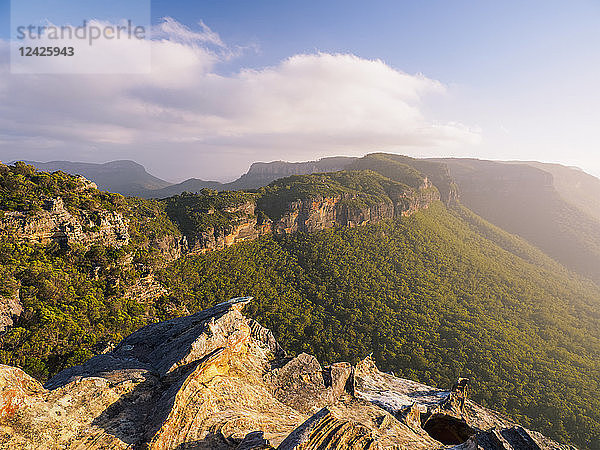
217, 380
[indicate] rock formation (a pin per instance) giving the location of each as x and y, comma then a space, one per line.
217, 380
318, 213
10, 310
56, 223
245, 227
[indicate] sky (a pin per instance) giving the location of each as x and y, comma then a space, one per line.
233, 82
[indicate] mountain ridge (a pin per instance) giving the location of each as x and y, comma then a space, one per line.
434, 295
121, 176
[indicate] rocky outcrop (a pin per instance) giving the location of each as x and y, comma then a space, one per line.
170, 247
318, 213
216, 380
309, 215
145, 290
245, 227
56, 223
10, 310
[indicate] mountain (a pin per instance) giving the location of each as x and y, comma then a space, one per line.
543, 208
192, 185
575, 186
341, 265
218, 380
260, 174
123, 177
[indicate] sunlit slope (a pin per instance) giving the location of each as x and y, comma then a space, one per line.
435, 296
575, 186
524, 200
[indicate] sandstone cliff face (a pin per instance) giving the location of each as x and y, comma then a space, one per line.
10, 310
319, 213
245, 228
312, 214
171, 247
55, 223
217, 380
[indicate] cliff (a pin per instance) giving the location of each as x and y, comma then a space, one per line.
218, 380
349, 198
524, 200
244, 225
318, 213
10, 310
214, 220
55, 223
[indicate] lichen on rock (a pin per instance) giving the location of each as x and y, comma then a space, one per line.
218, 380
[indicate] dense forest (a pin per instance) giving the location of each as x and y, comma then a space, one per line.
434, 296
547, 209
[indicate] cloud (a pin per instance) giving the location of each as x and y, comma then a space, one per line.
172, 30
305, 105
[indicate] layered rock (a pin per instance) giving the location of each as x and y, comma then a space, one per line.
56, 223
171, 247
10, 310
318, 213
245, 227
216, 380
145, 290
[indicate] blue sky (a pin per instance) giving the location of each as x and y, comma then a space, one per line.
521, 75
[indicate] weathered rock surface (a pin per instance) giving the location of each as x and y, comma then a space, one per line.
217, 380
56, 223
319, 213
10, 310
245, 227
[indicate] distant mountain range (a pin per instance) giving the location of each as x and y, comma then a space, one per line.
555, 207
131, 179
341, 264
124, 177
260, 174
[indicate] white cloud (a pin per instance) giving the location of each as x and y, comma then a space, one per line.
307, 105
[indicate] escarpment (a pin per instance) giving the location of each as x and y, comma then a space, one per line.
322, 212
10, 310
217, 380
244, 225
53, 222
212, 220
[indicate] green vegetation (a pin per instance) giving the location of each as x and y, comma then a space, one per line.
196, 213
364, 188
22, 188
435, 296
73, 296
409, 171
68, 315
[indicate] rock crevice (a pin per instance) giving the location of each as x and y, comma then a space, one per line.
217, 380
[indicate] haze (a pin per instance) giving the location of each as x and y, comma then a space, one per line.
238, 82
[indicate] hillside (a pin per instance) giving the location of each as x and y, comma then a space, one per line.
123, 177
260, 174
434, 292
524, 200
218, 380
70, 257
437, 295
575, 186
